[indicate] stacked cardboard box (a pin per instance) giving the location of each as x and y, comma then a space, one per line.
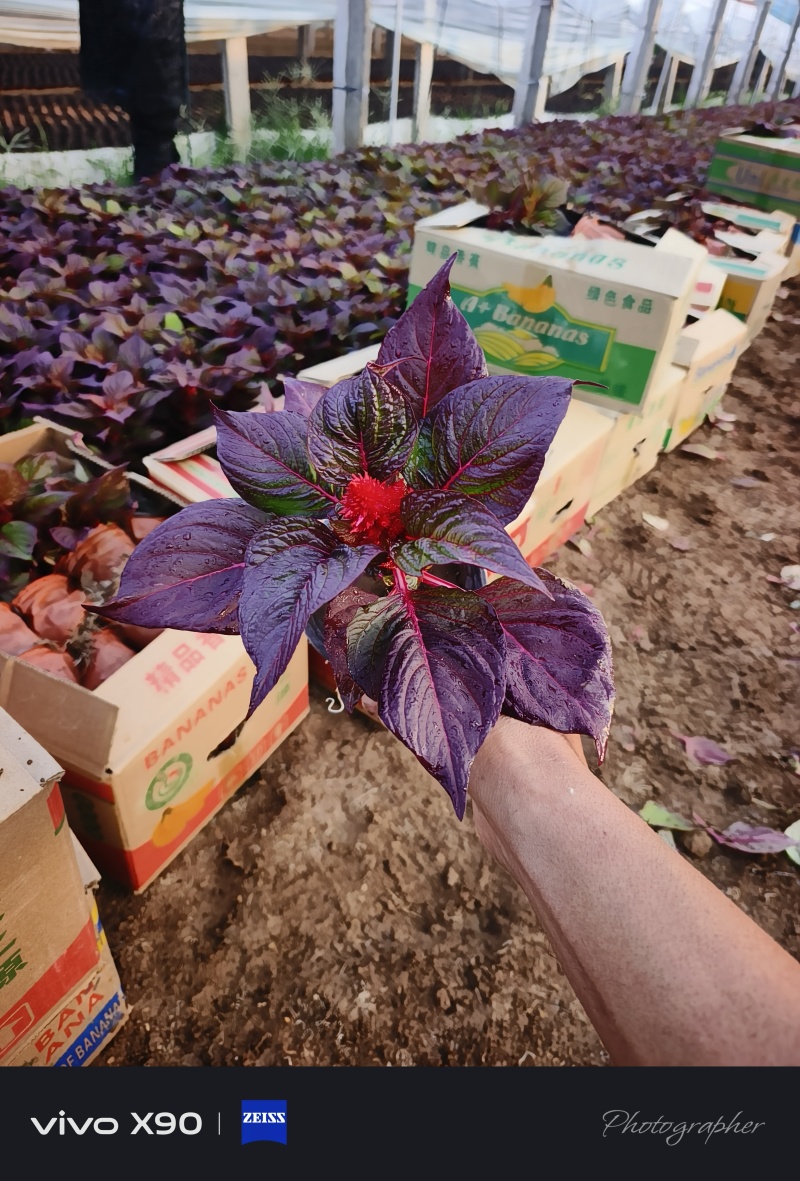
60, 996
607, 311
160, 746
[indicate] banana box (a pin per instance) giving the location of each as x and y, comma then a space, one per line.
606, 311
158, 748
89, 1013
636, 441
760, 170
691, 410
48, 940
560, 501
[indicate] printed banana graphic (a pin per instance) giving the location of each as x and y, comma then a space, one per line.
175, 819
534, 299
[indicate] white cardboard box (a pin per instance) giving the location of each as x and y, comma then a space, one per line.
561, 498
635, 441
601, 311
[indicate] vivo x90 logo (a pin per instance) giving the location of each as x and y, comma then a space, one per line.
264, 1119
162, 1123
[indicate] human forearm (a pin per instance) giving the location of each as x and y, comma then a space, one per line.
668, 969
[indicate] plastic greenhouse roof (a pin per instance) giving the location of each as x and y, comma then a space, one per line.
488, 35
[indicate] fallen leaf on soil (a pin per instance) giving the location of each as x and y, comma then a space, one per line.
583, 544
626, 736
681, 543
720, 415
749, 838
725, 426
659, 817
793, 832
703, 750
746, 482
667, 838
790, 576
659, 523
702, 450
767, 536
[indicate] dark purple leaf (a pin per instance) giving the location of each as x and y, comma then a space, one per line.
434, 660
431, 349
703, 750
265, 459
301, 396
559, 658
294, 567
188, 572
361, 426
341, 611
489, 439
446, 527
748, 838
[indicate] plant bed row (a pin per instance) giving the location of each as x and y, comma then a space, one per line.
129, 313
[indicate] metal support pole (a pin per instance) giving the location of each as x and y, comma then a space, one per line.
397, 48
666, 84
740, 83
352, 40
613, 81
306, 42
236, 81
776, 85
761, 81
530, 94
634, 81
423, 80
700, 82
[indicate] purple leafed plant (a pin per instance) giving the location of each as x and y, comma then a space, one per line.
356, 500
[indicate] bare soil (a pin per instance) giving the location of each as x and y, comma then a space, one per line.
335, 912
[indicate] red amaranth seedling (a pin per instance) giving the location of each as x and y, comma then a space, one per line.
417, 463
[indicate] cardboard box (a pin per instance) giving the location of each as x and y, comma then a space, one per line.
753, 230
750, 287
80, 1026
561, 498
47, 937
157, 749
327, 373
757, 170
600, 311
86, 1018
709, 348
635, 441
691, 409
188, 471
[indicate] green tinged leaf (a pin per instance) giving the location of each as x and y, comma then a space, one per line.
17, 539
659, 817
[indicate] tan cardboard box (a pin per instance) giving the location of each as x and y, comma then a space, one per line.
561, 498
81, 1025
47, 937
152, 753
600, 311
635, 441
86, 1018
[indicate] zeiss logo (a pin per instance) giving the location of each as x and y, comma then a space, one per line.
264, 1119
